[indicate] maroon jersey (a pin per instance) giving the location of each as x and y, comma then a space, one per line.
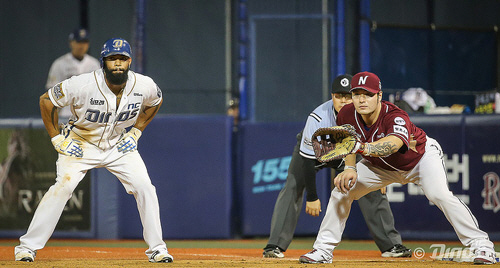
391, 121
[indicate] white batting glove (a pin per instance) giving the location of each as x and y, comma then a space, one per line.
67, 146
128, 142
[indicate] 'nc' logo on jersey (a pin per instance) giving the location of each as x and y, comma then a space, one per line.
131, 112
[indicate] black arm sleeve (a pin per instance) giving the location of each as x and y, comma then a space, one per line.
310, 175
309, 172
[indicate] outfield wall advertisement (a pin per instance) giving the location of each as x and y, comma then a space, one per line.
28, 169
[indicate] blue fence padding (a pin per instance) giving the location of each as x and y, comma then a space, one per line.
105, 192
484, 163
264, 151
189, 162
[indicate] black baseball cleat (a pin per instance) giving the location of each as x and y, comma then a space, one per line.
274, 252
398, 251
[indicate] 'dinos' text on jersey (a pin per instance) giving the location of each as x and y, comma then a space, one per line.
96, 116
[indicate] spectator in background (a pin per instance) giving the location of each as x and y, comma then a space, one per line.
72, 63
419, 100
233, 110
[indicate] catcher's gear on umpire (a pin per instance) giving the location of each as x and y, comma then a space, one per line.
67, 146
128, 141
335, 142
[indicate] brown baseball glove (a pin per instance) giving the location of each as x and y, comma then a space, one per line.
335, 142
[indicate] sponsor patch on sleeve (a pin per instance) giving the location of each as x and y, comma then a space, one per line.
57, 92
400, 121
401, 130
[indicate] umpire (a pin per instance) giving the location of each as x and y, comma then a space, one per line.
302, 176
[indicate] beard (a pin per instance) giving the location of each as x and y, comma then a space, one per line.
116, 78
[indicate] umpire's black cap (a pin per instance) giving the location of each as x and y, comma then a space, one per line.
342, 84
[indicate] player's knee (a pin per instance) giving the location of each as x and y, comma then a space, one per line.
439, 198
62, 189
144, 189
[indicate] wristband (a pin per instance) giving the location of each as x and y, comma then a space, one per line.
350, 167
57, 139
364, 149
136, 132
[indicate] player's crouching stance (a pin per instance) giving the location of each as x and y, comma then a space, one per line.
394, 150
105, 104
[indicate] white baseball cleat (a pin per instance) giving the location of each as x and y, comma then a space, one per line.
484, 256
27, 256
158, 256
317, 256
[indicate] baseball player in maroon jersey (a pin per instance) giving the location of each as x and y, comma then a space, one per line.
393, 150
302, 175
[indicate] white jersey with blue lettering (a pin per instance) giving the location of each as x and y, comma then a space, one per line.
95, 115
323, 116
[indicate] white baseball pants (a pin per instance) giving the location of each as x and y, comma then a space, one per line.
129, 168
429, 173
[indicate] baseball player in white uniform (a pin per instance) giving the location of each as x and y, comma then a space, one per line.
72, 63
111, 108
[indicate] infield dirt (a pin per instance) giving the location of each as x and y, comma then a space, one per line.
244, 255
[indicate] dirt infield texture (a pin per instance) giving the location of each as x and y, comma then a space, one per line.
211, 253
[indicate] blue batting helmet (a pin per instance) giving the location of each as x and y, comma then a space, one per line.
115, 46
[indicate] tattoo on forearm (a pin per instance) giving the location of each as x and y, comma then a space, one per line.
382, 149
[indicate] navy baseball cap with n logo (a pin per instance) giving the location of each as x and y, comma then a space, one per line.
367, 81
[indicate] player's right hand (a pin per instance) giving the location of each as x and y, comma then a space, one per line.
345, 180
67, 146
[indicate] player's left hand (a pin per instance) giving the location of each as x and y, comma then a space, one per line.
128, 141
313, 208
335, 142
345, 180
